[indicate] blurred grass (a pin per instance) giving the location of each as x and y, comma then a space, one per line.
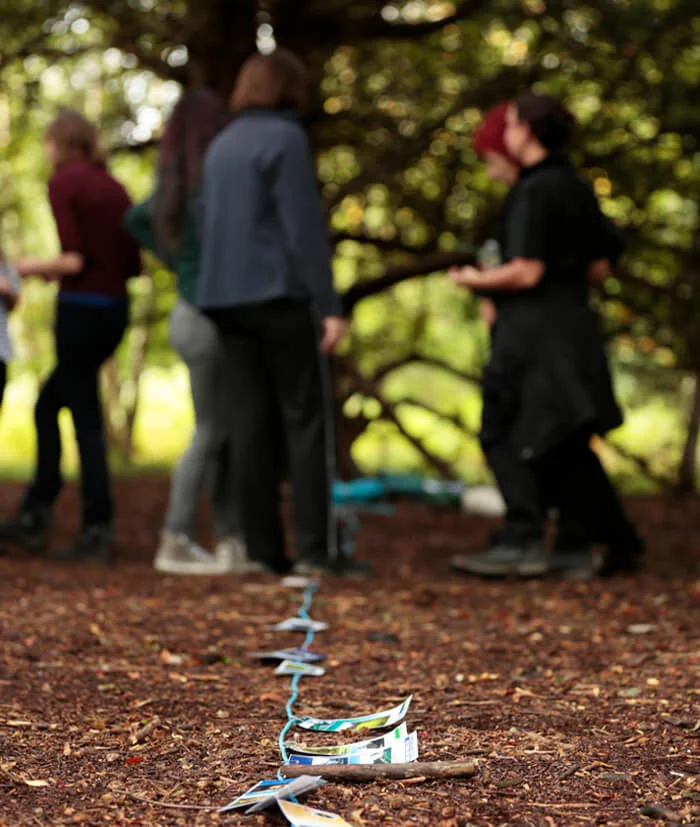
165, 421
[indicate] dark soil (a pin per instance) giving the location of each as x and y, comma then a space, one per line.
580, 702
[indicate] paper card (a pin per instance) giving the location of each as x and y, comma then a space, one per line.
300, 816
298, 654
378, 742
296, 582
299, 624
265, 793
377, 720
293, 667
403, 751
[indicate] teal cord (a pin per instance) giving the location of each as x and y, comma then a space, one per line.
294, 686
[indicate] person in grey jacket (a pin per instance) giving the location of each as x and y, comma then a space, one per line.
266, 281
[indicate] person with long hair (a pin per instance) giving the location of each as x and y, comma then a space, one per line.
97, 258
267, 283
547, 387
165, 224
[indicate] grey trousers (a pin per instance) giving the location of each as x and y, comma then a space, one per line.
207, 464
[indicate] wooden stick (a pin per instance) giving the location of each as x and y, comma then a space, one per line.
373, 772
145, 731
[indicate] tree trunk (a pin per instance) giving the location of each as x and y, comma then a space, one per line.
686, 483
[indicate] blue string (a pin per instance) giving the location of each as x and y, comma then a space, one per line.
294, 686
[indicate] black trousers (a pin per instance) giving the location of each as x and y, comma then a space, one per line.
278, 382
569, 478
86, 336
3, 379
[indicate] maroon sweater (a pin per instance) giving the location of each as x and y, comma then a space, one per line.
89, 207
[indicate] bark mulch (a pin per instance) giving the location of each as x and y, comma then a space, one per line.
123, 693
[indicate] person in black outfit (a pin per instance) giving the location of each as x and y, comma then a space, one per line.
547, 387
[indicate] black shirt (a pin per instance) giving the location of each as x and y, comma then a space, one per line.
552, 215
547, 377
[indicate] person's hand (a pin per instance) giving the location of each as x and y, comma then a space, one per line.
487, 311
29, 266
598, 271
334, 328
466, 276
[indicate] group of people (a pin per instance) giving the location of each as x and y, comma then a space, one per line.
237, 216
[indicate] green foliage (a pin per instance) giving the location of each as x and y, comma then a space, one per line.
401, 88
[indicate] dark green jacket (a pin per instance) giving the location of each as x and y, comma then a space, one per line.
184, 261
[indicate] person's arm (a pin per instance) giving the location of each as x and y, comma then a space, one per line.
70, 261
598, 271
51, 269
305, 228
526, 248
139, 223
517, 275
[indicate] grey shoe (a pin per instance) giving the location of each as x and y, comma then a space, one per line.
504, 560
578, 564
177, 554
231, 554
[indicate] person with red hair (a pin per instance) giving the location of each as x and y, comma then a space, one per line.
547, 387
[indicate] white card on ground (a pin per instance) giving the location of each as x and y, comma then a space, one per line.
300, 816
265, 793
293, 581
294, 667
299, 624
376, 720
403, 751
298, 654
378, 742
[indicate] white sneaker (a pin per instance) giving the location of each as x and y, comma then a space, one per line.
178, 554
231, 554
484, 501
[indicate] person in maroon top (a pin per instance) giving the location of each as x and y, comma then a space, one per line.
97, 258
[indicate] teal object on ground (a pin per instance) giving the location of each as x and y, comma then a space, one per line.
439, 492
363, 490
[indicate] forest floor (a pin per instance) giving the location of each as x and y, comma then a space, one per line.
580, 702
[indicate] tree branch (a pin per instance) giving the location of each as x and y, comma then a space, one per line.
416, 358
424, 266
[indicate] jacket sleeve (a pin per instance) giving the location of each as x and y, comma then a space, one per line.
303, 220
139, 223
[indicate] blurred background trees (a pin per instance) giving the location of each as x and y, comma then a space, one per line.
400, 89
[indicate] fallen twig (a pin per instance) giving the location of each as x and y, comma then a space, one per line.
28, 724
373, 772
141, 734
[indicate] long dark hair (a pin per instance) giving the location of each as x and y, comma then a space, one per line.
197, 118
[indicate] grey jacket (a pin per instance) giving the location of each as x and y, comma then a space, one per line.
262, 225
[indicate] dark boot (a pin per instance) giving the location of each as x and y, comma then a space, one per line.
94, 545
505, 560
573, 564
29, 528
624, 557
